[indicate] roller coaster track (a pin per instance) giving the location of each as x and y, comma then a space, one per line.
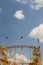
2, 51
19, 46
9, 62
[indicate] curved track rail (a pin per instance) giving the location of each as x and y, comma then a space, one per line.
11, 47
19, 46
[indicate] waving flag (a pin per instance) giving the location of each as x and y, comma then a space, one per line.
38, 39
21, 37
6, 37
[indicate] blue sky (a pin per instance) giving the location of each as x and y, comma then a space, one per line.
18, 18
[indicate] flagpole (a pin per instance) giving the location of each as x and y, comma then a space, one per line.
21, 38
39, 51
6, 39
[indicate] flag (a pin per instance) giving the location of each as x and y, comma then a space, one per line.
38, 39
21, 37
6, 37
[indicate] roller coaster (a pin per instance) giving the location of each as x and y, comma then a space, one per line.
36, 55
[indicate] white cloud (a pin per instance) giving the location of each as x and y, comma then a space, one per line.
37, 33
36, 4
11, 57
36, 7
19, 15
19, 58
22, 1
39, 2
23, 58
